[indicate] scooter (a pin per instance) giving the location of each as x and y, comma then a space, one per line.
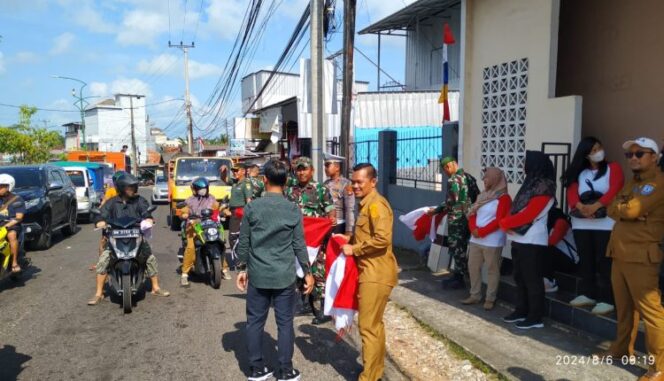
127, 274
6, 254
209, 245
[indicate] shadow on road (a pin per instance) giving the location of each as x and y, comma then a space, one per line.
28, 273
321, 346
236, 342
11, 363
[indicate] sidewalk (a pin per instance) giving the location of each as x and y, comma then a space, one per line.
556, 352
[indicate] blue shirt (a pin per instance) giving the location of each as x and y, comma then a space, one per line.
17, 206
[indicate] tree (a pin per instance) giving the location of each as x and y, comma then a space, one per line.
27, 143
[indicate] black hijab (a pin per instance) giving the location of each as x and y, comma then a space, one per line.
540, 180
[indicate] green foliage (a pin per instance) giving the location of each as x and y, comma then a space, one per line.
221, 140
28, 144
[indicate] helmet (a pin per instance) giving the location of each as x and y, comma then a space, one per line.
117, 175
125, 181
200, 183
6, 179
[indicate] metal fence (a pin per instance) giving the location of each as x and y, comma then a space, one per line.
417, 161
560, 154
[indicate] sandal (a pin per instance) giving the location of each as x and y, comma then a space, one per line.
160, 292
16, 269
96, 300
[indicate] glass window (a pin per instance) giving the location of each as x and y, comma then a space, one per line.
77, 177
24, 177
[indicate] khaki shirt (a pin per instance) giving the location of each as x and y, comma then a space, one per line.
639, 214
372, 241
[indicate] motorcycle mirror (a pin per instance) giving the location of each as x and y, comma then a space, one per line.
95, 211
180, 205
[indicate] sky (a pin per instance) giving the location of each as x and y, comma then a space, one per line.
121, 46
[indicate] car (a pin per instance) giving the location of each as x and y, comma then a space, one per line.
160, 190
88, 194
50, 201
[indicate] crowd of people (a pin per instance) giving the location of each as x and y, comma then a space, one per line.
612, 238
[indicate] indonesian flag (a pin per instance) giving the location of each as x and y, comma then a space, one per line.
448, 39
422, 224
315, 231
341, 286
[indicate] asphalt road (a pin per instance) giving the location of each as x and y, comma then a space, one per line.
49, 333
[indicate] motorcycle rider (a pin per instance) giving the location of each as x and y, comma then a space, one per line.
201, 200
12, 207
127, 203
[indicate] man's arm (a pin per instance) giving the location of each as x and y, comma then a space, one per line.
640, 204
450, 199
380, 216
328, 204
349, 211
247, 191
300, 247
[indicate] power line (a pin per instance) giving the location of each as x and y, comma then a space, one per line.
60, 110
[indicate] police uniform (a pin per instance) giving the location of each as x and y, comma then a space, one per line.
635, 249
377, 268
344, 200
314, 200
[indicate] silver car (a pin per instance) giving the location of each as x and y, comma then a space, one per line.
160, 190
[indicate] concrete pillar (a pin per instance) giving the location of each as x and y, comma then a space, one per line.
387, 160
451, 140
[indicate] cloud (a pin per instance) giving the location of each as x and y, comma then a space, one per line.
120, 85
26, 57
98, 89
92, 20
140, 27
225, 17
62, 43
2, 63
167, 64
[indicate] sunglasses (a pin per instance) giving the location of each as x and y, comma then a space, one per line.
638, 154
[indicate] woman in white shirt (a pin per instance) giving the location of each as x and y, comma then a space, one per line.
592, 184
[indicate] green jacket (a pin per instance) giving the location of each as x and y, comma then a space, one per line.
457, 202
313, 199
240, 193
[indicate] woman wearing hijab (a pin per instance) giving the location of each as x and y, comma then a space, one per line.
487, 241
592, 184
526, 227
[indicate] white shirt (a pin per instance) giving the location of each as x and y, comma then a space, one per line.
600, 185
538, 234
485, 215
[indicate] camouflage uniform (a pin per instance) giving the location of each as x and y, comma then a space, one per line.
455, 206
258, 187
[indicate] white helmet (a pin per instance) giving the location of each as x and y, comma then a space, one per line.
6, 179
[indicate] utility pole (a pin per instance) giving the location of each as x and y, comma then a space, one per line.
187, 100
317, 90
134, 155
348, 76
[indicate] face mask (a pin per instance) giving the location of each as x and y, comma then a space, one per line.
597, 157
202, 192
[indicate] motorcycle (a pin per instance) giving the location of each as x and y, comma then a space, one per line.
6, 254
209, 245
126, 274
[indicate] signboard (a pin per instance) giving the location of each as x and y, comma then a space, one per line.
237, 146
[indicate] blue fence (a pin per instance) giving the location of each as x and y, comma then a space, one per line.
416, 146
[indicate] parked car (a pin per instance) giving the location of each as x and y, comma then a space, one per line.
88, 179
50, 200
160, 190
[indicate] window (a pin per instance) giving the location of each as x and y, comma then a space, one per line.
504, 98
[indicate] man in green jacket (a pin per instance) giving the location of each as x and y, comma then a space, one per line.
271, 242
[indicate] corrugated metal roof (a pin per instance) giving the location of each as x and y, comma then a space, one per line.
402, 109
408, 16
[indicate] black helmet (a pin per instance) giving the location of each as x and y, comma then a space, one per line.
117, 175
125, 181
200, 183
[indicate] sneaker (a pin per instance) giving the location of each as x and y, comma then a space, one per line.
550, 285
184, 281
226, 275
602, 309
288, 375
529, 324
514, 318
258, 374
582, 301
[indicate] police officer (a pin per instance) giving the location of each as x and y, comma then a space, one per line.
634, 247
342, 194
241, 194
314, 200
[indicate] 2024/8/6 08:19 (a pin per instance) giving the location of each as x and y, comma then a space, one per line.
574, 360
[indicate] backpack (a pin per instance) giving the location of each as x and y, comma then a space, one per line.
473, 189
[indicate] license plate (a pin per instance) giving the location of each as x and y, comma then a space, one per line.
126, 233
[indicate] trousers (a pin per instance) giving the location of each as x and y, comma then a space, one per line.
190, 252
528, 263
594, 266
477, 256
458, 236
373, 299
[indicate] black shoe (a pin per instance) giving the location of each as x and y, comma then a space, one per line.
514, 318
258, 374
529, 324
288, 375
305, 310
454, 283
318, 320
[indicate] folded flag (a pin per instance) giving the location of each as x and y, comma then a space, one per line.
341, 286
422, 224
315, 231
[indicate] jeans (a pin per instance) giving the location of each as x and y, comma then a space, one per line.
258, 306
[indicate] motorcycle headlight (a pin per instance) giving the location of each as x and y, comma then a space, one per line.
212, 232
32, 203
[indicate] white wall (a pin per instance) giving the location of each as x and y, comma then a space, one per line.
281, 87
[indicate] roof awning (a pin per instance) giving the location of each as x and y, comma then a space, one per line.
407, 17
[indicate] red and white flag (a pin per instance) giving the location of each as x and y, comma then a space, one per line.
341, 286
422, 224
315, 231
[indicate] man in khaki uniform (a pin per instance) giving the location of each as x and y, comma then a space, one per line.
371, 244
634, 246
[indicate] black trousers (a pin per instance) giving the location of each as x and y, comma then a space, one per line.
555, 260
594, 266
258, 306
528, 261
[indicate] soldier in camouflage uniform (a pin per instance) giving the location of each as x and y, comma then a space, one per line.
314, 200
455, 206
256, 181
342, 194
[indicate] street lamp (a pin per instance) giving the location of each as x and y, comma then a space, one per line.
81, 102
